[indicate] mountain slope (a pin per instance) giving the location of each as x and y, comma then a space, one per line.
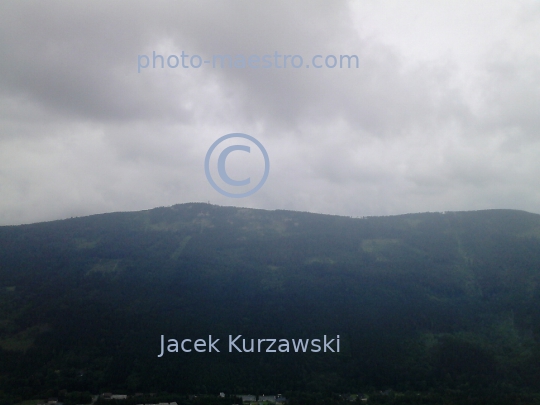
420, 301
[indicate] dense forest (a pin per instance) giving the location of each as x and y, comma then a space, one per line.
427, 303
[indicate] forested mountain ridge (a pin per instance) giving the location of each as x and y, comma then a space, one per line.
420, 301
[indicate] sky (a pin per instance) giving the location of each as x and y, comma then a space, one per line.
442, 112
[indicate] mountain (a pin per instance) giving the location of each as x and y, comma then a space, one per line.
421, 302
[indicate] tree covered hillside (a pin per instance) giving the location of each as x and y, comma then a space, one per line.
432, 301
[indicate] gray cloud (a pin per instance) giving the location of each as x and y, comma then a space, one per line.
442, 113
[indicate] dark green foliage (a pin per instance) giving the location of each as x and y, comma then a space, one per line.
74, 398
423, 303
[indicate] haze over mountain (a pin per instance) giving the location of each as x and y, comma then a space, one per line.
439, 113
421, 302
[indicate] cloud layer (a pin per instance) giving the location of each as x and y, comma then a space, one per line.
441, 114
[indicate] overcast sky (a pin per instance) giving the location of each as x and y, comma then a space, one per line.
442, 114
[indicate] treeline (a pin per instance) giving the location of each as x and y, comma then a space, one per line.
441, 303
